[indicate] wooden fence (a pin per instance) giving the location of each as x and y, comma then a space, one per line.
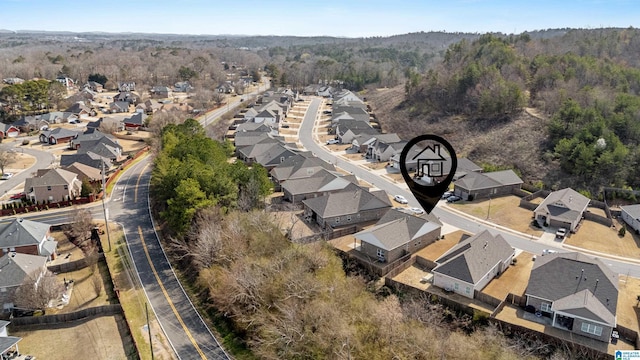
73, 265
398, 266
96, 311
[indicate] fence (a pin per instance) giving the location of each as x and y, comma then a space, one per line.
336, 233
104, 310
398, 266
426, 263
73, 265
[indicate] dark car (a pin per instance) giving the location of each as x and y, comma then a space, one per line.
453, 198
446, 195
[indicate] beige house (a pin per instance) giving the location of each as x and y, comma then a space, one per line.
53, 185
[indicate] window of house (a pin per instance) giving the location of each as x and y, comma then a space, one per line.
545, 307
66, 187
456, 286
338, 219
468, 290
49, 188
380, 253
591, 329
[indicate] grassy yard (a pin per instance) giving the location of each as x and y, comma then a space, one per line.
601, 238
513, 280
503, 211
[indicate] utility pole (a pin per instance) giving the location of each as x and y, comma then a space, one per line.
146, 310
104, 208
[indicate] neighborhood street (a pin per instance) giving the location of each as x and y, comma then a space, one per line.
445, 215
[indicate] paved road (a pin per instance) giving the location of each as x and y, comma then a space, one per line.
308, 141
188, 334
211, 117
43, 160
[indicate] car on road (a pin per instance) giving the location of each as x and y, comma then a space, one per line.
6, 176
332, 141
548, 251
453, 198
401, 199
561, 233
18, 196
446, 195
416, 210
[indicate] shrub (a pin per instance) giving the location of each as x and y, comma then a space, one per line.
623, 231
25, 142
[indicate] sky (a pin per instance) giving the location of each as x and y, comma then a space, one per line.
342, 18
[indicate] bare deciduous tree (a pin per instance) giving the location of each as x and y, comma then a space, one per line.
7, 157
79, 231
37, 293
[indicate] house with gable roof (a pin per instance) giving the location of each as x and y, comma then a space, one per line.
351, 206
471, 264
135, 121
53, 185
8, 344
477, 185
299, 166
631, 215
321, 183
17, 268
8, 131
562, 209
398, 234
57, 136
578, 293
88, 158
27, 237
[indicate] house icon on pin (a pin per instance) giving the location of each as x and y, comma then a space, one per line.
429, 162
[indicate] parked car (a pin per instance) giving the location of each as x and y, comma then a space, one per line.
453, 198
447, 194
284, 126
18, 196
561, 233
401, 199
332, 141
548, 251
416, 210
6, 176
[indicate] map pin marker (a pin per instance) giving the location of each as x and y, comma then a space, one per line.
428, 164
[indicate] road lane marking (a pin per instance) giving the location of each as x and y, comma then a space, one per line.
135, 191
166, 295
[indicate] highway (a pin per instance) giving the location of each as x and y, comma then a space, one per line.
306, 138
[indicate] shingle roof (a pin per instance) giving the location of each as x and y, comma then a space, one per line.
16, 267
576, 284
476, 181
301, 165
84, 171
348, 202
60, 133
321, 181
632, 210
567, 202
389, 234
471, 259
52, 177
22, 232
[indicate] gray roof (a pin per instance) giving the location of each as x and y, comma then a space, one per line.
84, 171
566, 203
89, 158
16, 267
60, 133
576, 284
136, 119
301, 165
22, 232
7, 342
51, 177
321, 181
476, 181
632, 210
348, 202
392, 233
250, 126
468, 165
471, 259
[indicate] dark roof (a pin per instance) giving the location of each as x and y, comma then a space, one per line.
396, 229
60, 133
348, 202
476, 180
136, 119
576, 284
321, 181
566, 202
301, 165
88, 158
471, 259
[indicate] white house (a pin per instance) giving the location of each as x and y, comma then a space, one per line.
631, 215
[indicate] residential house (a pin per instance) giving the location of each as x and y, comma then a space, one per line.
150, 106
135, 121
85, 172
53, 185
8, 131
80, 109
57, 136
126, 96
8, 344
127, 86
347, 130
299, 166
119, 106
351, 206
325, 91
17, 269
94, 86
631, 215
67, 82
382, 151
250, 114
30, 123
58, 117
268, 117
477, 185
562, 209
90, 138
398, 234
27, 237
161, 92
13, 81
311, 89
471, 264
269, 153
112, 123
465, 166
578, 293
321, 183
225, 88
182, 86
88, 158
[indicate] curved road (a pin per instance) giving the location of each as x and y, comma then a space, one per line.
306, 138
43, 160
186, 330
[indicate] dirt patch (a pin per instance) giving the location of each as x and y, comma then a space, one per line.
601, 238
376, 165
434, 250
503, 211
513, 280
22, 161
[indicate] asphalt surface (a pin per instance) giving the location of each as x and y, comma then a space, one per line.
306, 138
129, 206
43, 160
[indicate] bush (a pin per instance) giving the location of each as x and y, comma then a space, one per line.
623, 231
25, 142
